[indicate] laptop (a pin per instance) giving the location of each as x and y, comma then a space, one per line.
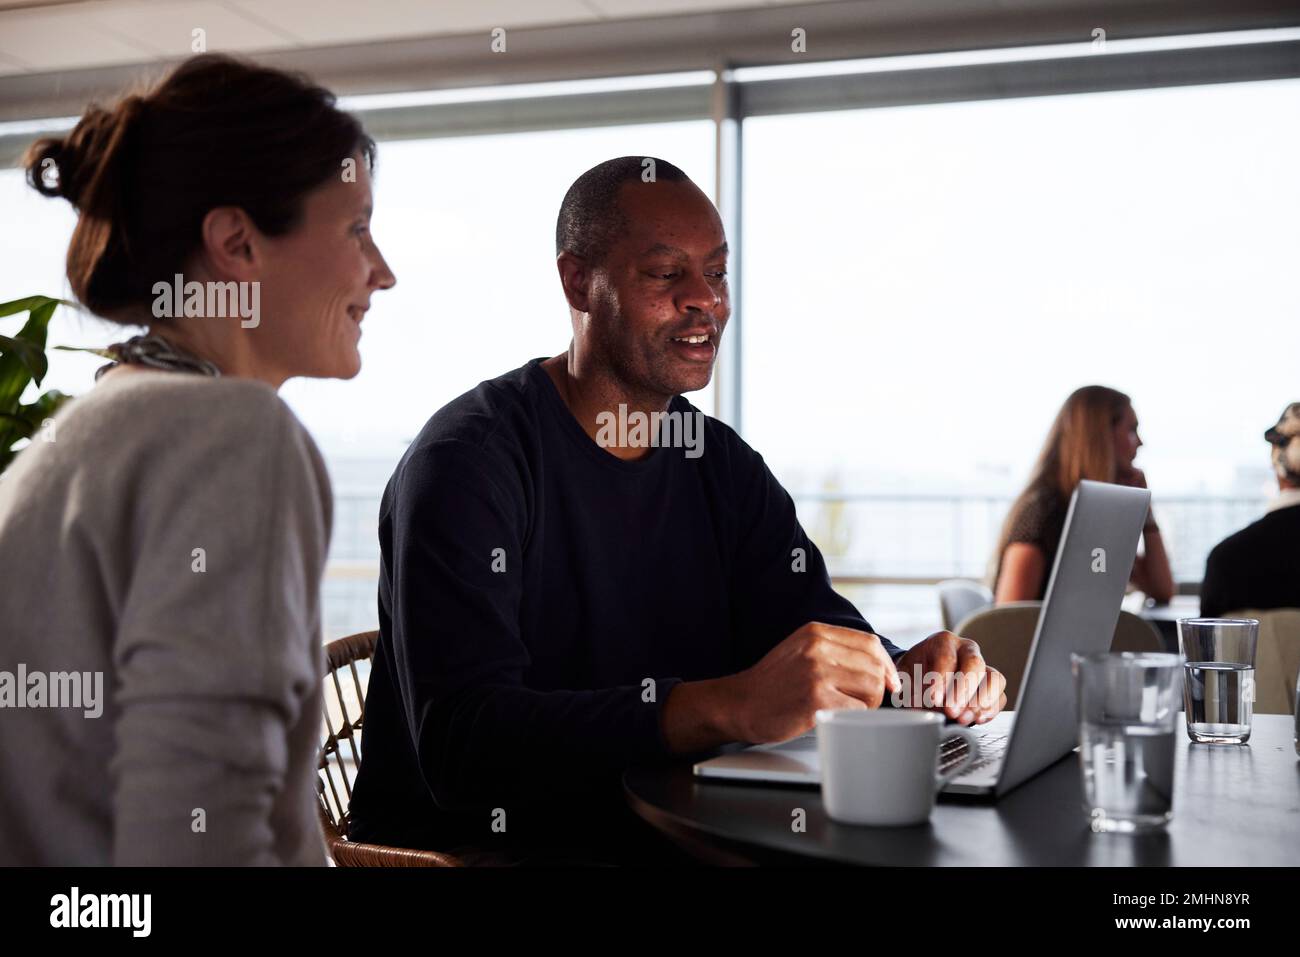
1079, 614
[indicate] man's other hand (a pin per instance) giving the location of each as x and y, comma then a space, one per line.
952, 677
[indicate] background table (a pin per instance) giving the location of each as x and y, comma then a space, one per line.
1232, 806
1165, 617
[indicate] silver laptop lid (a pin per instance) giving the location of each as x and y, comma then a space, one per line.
1080, 611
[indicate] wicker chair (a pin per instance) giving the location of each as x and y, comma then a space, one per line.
344, 712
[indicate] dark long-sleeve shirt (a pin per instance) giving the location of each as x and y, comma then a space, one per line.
539, 598
1258, 568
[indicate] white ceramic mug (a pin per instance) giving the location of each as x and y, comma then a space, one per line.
879, 766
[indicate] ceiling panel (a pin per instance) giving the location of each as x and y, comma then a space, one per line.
56, 54
38, 36
166, 27
30, 3
658, 8
62, 38
330, 22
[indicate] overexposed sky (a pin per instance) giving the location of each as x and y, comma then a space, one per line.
925, 285
922, 286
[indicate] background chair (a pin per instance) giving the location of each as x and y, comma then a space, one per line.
345, 703
1005, 632
959, 598
1133, 633
1277, 658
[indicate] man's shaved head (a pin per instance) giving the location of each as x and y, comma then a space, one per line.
591, 219
643, 264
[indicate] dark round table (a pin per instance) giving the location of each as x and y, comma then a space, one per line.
1233, 806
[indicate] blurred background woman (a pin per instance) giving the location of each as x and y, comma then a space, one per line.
169, 546
1094, 437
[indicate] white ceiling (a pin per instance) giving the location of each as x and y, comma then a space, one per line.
40, 36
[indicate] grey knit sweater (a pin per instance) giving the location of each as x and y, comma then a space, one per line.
167, 544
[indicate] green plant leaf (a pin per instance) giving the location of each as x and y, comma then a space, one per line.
32, 357
23, 360
14, 374
29, 418
11, 423
48, 403
28, 303
102, 353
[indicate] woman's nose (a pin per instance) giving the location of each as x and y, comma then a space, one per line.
382, 276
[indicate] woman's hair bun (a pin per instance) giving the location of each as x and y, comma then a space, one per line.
66, 165
47, 164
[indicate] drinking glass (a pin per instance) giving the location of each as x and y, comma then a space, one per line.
1128, 717
1219, 686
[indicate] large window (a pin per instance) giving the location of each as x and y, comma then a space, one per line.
925, 285
921, 287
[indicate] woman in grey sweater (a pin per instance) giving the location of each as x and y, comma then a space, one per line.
161, 555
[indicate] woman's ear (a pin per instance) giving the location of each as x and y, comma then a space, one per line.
231, 243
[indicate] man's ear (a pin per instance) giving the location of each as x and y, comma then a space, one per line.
231, 243
575, 277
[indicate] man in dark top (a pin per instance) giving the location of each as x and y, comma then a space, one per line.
1258, 568
570, 585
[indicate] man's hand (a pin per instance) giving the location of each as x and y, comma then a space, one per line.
953, 679
818, 666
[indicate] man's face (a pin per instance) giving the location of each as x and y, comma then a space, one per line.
664, 281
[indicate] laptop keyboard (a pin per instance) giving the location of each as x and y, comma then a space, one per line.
953, 751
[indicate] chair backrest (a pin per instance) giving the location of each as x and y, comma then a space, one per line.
344, 712
1136, 634
959, 598
1005, 632
345, 705
1277, 658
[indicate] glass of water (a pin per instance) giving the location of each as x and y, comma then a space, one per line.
1128, 727
1219, 690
